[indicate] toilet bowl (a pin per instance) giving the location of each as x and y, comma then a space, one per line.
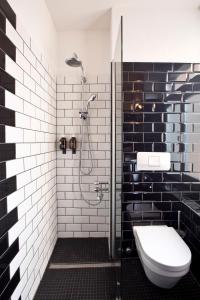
164, 255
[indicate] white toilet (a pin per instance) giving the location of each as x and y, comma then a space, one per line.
164, 255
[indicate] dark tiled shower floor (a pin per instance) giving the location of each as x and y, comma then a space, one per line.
78, 284
136, 286
80, 250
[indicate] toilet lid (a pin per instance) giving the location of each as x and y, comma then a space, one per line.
164, 246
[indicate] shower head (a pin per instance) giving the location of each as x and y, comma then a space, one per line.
74, 61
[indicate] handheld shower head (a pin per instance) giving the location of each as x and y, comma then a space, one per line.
91, 99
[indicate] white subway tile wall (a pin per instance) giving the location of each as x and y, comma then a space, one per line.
75, 217
35, 166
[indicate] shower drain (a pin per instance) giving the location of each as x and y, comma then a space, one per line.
84, 266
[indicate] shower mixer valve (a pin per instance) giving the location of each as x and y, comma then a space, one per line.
100, 188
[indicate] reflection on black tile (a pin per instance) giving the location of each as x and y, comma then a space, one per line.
7, 187
128, 86
180, 187
189, 97
4, 243
182, 67
7, 116
143, 147
8, 221
8, 12
133, 137
133, 96
143, 87
172, 177
2, 22
154, 117
2, 96
143, 187
143, 127
162, 67
7, 293
7, 46
162, 87
152, 196
127, 147
133, 117
7, 152
161, 187
159, 77
136, 76
3, 207
2, 171
153, 97
143, 67
196, 67
2, 59
194, 77
186, 87
7, 81
2, 134
128, 66
173, 97
177, 77
8, 256
153, 177
152, 137
4, 279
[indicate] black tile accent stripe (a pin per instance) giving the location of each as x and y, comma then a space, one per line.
7, 187
8, 12
2, 171
7, 293
2, 59
3, 243
2, 96
7, 152
4, 280
2, 22
7, 116
2, 134
8, 221
8, 256
3, 207
7, 46
7, 81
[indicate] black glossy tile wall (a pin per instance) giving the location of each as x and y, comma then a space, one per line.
8, 219
161, 112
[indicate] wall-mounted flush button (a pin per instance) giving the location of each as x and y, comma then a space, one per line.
63, 145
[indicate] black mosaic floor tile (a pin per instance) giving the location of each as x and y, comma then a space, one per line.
78, 284
136, 286
80, 250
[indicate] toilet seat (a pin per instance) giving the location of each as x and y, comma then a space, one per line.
163, 248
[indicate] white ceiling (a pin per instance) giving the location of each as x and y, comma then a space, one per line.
95, 14
80, 14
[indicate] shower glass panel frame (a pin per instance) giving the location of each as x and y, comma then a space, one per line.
116, 147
